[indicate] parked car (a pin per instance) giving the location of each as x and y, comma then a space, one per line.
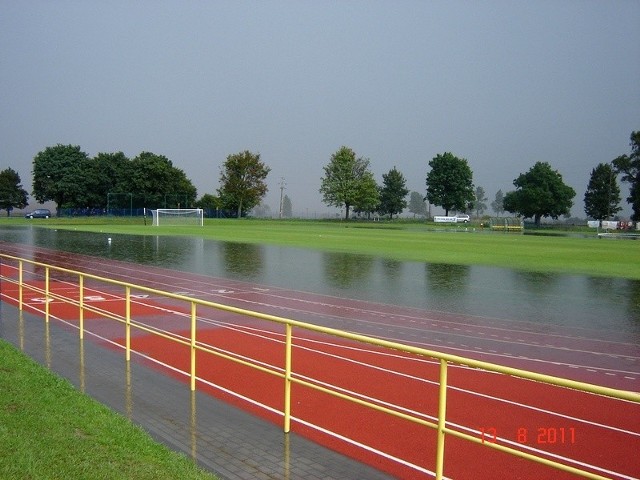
39, 213
462, 218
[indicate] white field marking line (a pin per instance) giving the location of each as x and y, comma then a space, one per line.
471, 392
254, 402
186, 315
251, 360
240, 396
218, 349
506, 340
523, 446
116, 298
329, 433
112, 297
421, 319
519, 446
182, 372
413, 377
515, 357
536, 360
493, 353
63, 286
55, 301
346, 439
365, 447
356, 394
129, 271
245, 328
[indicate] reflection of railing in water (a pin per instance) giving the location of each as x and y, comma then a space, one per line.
287, 376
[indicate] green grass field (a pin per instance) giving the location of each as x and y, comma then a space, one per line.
572, 252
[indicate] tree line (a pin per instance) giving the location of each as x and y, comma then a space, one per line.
73, 180
111, 181
540, 192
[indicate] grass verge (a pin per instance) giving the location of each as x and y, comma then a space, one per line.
49, 430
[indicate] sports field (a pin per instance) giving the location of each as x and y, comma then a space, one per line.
574, 252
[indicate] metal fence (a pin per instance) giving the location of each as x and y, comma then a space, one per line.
288, 376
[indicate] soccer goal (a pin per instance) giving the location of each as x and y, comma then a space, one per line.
178, 217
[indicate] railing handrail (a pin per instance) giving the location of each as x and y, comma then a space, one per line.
480, 364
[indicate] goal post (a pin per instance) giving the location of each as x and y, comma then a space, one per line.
178, 217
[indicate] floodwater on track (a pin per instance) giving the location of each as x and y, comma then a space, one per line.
595, 303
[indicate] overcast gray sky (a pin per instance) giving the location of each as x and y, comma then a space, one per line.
503, 84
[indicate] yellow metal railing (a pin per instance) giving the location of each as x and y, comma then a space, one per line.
288, 377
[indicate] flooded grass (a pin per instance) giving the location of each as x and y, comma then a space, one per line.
585, 254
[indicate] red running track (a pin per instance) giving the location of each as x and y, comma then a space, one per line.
587, 429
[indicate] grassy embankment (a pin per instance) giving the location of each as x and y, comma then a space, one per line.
49, 430
407, 241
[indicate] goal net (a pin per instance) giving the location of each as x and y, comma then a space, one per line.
177, 216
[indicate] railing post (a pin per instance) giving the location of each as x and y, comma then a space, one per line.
46, 294
20, 285
127, 310
81, 303
287, 380
442, 419
193, 346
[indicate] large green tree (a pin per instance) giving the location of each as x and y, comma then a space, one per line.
450, 183
59, 175
209, 202
242, 181
629, 166
540, 193
102, 175
367, 199
12, 195
66, 175
156, 183
347, 182
393, 194
602, 198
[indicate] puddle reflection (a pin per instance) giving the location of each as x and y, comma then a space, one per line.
344, 270
447, 279
243, 259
